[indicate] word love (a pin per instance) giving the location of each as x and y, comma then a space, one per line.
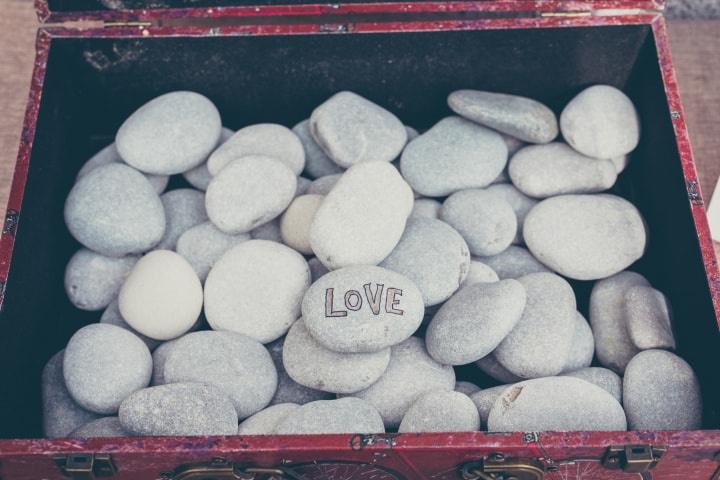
354, 300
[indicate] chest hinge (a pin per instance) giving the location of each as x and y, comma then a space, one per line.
632, 458
86, 466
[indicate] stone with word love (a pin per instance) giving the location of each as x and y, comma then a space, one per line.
362, 309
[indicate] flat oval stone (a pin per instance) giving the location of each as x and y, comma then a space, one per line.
248, 192
513, 262
311, 364
103, 364
323, 185
602, 377
474, 321
582, 346
484, 401
93, 280
256, 289
160, 356
268, 231
170, 134
101, 428
486, 222
539, 344
345, 415
601, 122
199, 177
288, 390
521, 117
648, 318
266, 421
559, 404
585, 237
264, 140
184, 208
317, 163
351, 129
520, 203
162, 297
479, 273
110, 155
363, 217
296, 220
240, 366
492, 368
179, 409
113, 210
467, 388
543, 171
112, 316
441, 412
426, 208
661, 392
203, 244
362, 309
453, 155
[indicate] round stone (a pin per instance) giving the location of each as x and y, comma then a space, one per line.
110, 155
288, 390
203, 244
103, 364
484, 401
648, 318
453, 155
268, 231
585, 237
582, 346
113, 210
92, 280
248, 192
467, 388
513, 262
479, 273
160, 356
199, 177
295, 222
426, 208
256, 289
661, 392
492, 368
345, 415
520, 203
441, 412
323, 185
112, 316
105, 427
184, 208
602, 377
601, 122
170, 134
317, 269
266, 421
317, 163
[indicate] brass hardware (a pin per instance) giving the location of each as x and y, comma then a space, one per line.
85, 466
496, 466
221, 469
632, 458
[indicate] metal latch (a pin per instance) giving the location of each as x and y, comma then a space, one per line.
498, 467
632, 458
86, 466
221, 469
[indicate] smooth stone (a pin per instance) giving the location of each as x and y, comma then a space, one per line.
621, 162
269, 231
203, 244
661, 392
248, 192
61, 414
492, 368
441, 412
513, 262
162, 297
433, 256
288, 390
473, 322
179, 409
344, 415
103, 364
93, 280
542, 171
110, 155
256, 289
311, 364
411, 372
601, 122
412, 133
453, 155
296, 220
317, 269
317, 163
239, 365
260, 140
160, 356
613, 346
112, 316
351, 129
199, 177
582, 347
323, 185
484, 401
105, 427
362, 309
503, 177
513, 145
648, 318
520, 203
486, 222
479, 273
559, 404
113, 210
467, 388
602, 377
539, 344
303, 184
585, 237
426, 208
363, 217
266, 421
184, 208
170, 134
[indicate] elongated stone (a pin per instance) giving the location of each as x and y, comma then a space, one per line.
582, 346
345, 415
602, 377
648, 318
441, 412
513, 262
317, 163
266, 421
288, 390
491, 367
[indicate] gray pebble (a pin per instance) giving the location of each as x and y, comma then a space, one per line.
491, 367
441, 412
179, 409
453, 155
170, 134
513, 145
160, 356
199, 177
103, 364
412, 133
184, 208
479, 273
513, 262
585, 237
268, 231
582, 346
345, 415
520, 203
115, 211
602, 377
102, 427
621, 162
484, 401
110, 155
112, 316
323, 185
266, 421
296, 220
303, 185
426, 208
203, 244
648, 318
468, 388
503, 177
317, 269
92, 280
288, 390
317, 163
661, 392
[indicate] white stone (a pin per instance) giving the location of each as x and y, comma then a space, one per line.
426, 208
648, 318
266, 421
202, 245
110, 155
513, 262
345, 415
520, 203
582, 347
441, 412
317, 163
296, 220
199, 177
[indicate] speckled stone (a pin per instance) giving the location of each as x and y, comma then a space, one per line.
602, 377
256, 289
296, 220
484, 401
203, 244
110, 155
582, 347
179, 409
601, 122
317, 163
102, 427
288, 390
520, 203
558, 404
492, 368
539, 344
112, 316
93, 280
351, 129
160, 356
170, 134
661, 392
317, 269
268, 231
265, 421
323, 185
585, 237
441, 412
474, 321
114, 210
521, 117
648, 318
248, 192
486, 222
199, 177
184, 208
467, 388
264, 140
453, 155
103, 364
479, 273
345, 415
513, 262
426, 208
